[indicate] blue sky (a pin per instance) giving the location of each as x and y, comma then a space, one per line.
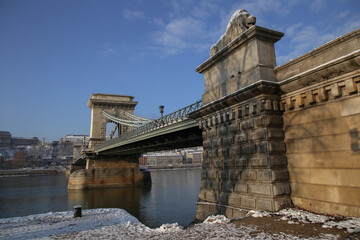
55, 53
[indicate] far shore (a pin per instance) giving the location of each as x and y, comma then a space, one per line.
43, 172
31, 172
172, 167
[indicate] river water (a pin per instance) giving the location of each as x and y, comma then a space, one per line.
171, 197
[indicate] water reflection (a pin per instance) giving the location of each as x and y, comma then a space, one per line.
127, 198
171, 197
26, 195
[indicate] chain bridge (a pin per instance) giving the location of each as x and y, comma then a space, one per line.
272, 136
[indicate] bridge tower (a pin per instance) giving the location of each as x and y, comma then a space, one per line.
92, 170
116, 105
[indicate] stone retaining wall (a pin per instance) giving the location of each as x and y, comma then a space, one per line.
321, 112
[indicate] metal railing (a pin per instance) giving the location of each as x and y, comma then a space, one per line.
172, 118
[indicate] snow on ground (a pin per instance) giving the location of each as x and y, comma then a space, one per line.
351, 225
45, 225
118, 224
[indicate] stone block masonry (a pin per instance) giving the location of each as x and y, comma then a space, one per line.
244, 161
321, 123
107, 171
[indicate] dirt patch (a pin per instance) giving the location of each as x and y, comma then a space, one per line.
275, 225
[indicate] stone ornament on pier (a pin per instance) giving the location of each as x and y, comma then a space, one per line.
240, 21
245, 59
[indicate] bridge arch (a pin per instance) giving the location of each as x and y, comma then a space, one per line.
116, 105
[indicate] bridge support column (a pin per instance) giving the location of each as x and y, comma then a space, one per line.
244, 162
107, 171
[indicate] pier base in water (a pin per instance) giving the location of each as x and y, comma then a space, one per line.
109, 171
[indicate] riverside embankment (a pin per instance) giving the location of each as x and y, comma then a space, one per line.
31, 172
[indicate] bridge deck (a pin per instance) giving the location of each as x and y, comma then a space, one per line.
172, 131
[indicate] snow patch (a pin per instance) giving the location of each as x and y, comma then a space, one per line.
44, 225
302, 216
217, 219
352, 225
254, 213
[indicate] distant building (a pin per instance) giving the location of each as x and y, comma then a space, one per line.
75, 138
164, 159
187, 157
194, 157
5, 139
21, 141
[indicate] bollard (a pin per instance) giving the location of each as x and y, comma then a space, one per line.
77, 211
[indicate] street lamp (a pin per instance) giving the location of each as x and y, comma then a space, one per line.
161, 108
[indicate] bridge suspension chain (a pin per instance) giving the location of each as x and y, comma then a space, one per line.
169, 119
137, 118
125, 122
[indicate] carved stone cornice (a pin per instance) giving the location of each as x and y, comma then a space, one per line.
336, 88
323, 72
110, 103
257, 98
241, 95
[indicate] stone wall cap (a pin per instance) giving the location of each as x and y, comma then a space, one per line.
111, 95
251, 33
316, 69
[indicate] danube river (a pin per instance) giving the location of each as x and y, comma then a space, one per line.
171, 198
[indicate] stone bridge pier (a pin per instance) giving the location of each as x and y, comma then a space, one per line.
244, 161
107, 171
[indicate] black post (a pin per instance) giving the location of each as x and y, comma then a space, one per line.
77, 211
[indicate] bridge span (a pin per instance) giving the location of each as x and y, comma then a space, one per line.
175, 130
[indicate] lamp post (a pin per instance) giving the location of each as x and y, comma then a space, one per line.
161, 108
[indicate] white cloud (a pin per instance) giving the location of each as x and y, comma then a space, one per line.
180, 34
291, 30
132, 15
186, 27
317, 5
259, 7
304, 38
302, 41
342, 15
108, 51
205, 8
158, 21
